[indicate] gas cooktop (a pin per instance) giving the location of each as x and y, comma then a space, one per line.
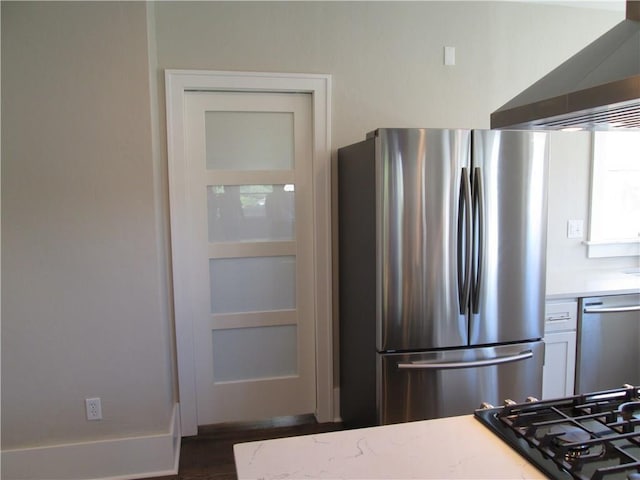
594, 436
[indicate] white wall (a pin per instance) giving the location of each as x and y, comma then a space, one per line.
84, 264
83, 310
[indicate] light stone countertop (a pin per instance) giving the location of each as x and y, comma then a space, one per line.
446, 448
592, 283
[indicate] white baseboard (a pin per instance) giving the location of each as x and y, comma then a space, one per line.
113, 459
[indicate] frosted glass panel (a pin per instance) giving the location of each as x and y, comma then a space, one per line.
250, 213
252, 284
228, 147
252, 353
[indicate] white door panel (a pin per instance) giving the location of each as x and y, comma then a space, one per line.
250, 202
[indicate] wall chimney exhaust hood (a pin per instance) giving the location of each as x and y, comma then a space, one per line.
596, 89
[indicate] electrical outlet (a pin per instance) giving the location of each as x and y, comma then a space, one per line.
94, 408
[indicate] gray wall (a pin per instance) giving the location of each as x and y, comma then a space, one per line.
83, 311
385, 57
85, 301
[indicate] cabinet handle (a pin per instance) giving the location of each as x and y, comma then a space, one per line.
559, 317
631, 308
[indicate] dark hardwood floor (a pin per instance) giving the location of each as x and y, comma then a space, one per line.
209, 455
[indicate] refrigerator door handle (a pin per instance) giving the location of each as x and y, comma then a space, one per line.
464, 236
426, 365
478, 206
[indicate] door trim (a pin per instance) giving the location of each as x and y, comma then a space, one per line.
177, 82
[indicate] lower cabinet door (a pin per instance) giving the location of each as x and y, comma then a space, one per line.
559, 365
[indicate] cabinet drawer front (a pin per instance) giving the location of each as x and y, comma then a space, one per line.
560, 316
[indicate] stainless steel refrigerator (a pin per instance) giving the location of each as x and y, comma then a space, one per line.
442, 245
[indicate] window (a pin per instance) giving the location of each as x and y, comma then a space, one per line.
614, 227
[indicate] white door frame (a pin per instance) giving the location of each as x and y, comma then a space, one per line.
177, 82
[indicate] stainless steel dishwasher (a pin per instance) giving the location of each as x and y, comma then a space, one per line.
608, 343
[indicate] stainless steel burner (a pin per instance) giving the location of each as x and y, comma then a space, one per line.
569, 434
572, 439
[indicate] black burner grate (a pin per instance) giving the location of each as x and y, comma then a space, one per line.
587, 437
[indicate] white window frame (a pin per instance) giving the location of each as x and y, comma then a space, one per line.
598, 244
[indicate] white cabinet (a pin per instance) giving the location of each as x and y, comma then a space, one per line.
559, 364
560, 349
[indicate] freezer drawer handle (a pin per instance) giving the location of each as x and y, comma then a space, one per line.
631, 308
474, 363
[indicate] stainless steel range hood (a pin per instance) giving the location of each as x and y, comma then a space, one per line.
596, 89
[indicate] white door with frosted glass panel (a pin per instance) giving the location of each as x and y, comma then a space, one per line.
251, 213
